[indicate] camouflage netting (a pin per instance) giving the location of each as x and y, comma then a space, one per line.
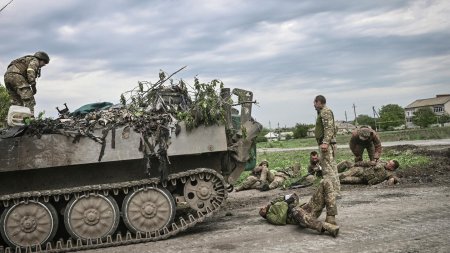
152, 110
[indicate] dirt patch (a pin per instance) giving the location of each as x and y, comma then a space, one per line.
437, 172
394, 195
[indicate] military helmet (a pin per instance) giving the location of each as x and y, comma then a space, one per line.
364, 132
42, 56
264, 162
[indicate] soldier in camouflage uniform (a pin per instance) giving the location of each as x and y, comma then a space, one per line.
367, 173
260, 176
365, 138
20, 78
280, 176
314, 168
278, 212
325, 133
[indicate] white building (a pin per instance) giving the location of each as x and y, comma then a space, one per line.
440, 105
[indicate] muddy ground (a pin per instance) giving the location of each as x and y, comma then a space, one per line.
413, 216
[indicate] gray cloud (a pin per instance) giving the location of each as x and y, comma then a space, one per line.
286, 51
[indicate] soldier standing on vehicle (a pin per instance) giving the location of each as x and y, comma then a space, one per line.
20, 78
325, 134
362, 138
261, 175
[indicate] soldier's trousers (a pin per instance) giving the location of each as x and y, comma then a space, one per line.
324, 197
254, 182
277, 182
358, 151
344, 165
352, 176
329, 167
19, 91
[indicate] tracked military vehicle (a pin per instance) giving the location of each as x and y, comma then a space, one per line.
64, 190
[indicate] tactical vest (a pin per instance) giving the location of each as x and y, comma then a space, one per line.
319, 131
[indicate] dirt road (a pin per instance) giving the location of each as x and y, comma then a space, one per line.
411, 217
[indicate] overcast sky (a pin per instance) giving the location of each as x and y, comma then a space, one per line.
370, 53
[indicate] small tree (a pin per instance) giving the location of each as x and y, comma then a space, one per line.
363, 119
4, 105
444, 118
391, 115
301, 130
424, 117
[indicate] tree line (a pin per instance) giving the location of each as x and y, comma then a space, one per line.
390, 117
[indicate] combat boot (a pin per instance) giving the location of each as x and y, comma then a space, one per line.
330, 219
330, 228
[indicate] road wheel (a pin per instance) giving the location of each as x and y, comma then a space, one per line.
200, 193
29, 224
91, 216
148, 209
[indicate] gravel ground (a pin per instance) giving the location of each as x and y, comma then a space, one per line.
411, 217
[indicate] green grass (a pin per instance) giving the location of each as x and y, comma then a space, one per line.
278, 160
407, 159
413, 134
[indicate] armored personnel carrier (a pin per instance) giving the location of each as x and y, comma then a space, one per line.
117, 177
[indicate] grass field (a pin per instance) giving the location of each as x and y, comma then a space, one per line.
283, 159
407, 159
413, 134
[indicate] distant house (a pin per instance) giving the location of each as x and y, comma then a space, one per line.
342, 127
440, 105
271, 136
283, 135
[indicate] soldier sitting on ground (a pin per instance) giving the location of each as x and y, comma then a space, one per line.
260, 176
285, 210
314, 172
362, 138
367, 173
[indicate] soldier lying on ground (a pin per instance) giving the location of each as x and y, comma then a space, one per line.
365, 138
281, 176
260, 176
285, 210
368, 172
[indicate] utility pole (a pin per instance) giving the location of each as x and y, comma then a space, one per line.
279, 132
346, 116
354, 111
375, 117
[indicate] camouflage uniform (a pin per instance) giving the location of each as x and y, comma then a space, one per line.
20, 81
260, 176
314, 171
364, 173
372, 144
324, 197
325, 133
344, 165
282, 175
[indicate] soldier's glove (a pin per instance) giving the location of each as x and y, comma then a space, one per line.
33, 87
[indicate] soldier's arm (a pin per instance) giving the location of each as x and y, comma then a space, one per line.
365, 164
257, 170
328, 128
32, 71
353, 141
377, 143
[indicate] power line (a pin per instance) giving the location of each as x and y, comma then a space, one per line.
6, 5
